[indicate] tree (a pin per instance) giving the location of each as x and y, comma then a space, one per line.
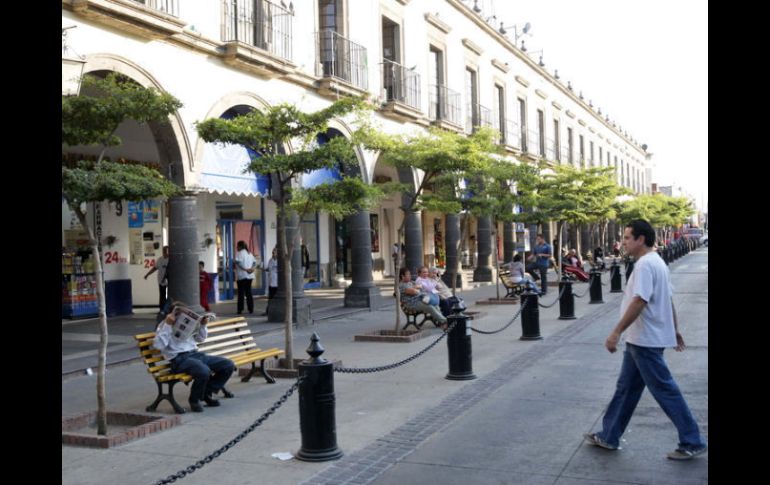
437, 153
268, 134
93, 120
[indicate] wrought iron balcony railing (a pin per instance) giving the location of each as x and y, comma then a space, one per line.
341, 58
259, 23
400, 84
444, 104
477, 115
170, 7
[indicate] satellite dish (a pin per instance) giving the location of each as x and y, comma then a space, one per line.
526, 28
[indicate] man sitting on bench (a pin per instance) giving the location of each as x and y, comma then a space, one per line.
414, 297
181, 350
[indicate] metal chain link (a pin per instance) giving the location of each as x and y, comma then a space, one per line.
563, 289
199, 464
369, 370
506, 325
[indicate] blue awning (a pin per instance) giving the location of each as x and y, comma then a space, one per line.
320, 176
222, 172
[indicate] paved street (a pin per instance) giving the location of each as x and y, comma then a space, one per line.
520, 421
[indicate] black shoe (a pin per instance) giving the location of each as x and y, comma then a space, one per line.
210, 401
195, 406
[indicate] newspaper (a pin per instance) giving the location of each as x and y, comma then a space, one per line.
188, 322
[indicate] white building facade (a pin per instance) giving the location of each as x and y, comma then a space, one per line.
422, 63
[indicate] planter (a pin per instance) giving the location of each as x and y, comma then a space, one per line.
80, 429
391, 336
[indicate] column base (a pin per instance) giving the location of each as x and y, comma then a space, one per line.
446, 278
301, 311
363, 297
482, 273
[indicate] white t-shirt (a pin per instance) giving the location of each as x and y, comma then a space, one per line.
244, 260
651, 281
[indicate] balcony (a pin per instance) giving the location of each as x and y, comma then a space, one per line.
401, 90
476, 116
170, 7
149, 19
342, 64
258, 37
509, 136
444, 108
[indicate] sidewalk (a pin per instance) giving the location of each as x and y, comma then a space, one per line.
527, 409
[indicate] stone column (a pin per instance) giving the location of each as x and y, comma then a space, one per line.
183, 281
452, 243
509, 245
362, 293
483, 271
301, 303
413, 240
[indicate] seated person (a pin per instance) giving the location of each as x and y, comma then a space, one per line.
411, 296
573, 265
516, 268
447, 299
428, 285
210, 373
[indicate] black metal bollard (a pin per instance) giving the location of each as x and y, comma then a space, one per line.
317, 423
566, 300
615, 283
530, 315
458, 344
596, 287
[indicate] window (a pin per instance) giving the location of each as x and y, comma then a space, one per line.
472, 99
523, 123
499, 113
570, 147
591, 146
437, 108
556, 141
582, 149
541, 132
329, 12
601, 156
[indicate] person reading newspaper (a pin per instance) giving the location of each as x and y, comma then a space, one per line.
177, 337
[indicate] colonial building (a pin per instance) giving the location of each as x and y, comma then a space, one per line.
423, 63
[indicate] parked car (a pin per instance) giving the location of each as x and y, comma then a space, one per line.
693, 233
704, 239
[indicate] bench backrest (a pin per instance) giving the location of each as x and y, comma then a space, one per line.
226, 338
507, 281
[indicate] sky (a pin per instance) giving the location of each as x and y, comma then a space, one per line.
643, 62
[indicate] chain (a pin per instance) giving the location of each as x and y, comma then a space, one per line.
564, 288
369, 370
199, 464
584, 293
506, 325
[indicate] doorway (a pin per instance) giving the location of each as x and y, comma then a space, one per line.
229, 232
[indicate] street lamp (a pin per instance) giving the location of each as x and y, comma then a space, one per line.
516, 34
71, 67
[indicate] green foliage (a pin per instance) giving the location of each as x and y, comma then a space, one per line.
94, 182
92, 119
342, 198
659, 210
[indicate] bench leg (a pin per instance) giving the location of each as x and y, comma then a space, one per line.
422, 322
270, 379
252, 373
411, 319
169, 397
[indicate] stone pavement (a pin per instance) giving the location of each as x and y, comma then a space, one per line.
521, 421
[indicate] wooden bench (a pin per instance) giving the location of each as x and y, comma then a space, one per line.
513, 289
412, 315
230, 338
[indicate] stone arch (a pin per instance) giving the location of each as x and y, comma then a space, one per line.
343, 128
171, 139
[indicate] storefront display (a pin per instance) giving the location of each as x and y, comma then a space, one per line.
78, 285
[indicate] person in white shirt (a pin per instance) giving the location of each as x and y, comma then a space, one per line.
245, 264
647, 311
210, 372
161, 266
271, 267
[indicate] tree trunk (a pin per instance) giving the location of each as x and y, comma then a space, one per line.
285, 246
396, 279
101, 399
559, 227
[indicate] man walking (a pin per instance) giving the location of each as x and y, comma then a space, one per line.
543, 253
647, 311
161, 266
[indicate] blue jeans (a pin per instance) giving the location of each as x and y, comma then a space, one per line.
644, 366
201, 366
